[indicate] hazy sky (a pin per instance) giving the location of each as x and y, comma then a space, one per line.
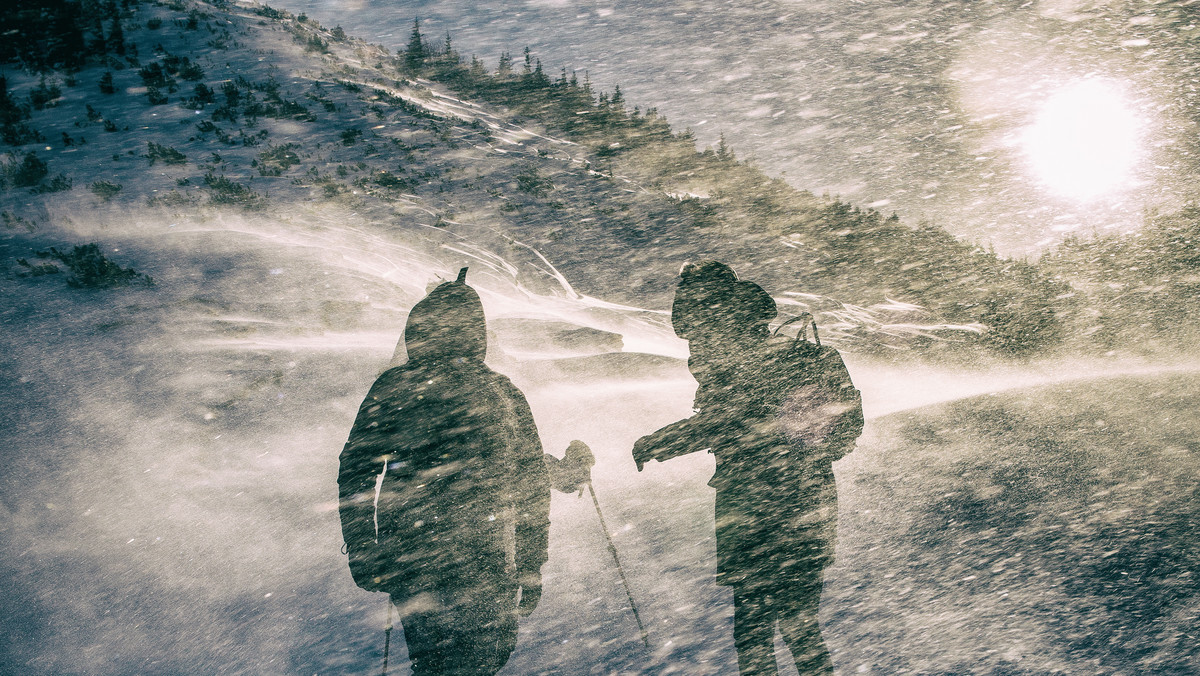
1010, 123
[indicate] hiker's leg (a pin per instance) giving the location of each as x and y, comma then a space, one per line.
487, 625
430, 642
801, 629
754, 633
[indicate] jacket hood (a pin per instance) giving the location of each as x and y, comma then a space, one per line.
447, 324
711, 302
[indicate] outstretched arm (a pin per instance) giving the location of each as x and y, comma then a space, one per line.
700, 432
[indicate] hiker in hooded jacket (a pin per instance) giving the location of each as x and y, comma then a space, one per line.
776, 412
444, 492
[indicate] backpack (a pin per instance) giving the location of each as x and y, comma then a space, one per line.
820, 408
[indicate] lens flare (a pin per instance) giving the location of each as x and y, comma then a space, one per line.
1085, 141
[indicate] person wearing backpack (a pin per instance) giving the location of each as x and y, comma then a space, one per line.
776, 413
444, 492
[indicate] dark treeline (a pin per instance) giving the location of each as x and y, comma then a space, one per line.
565, 102
41, 35
1139, 290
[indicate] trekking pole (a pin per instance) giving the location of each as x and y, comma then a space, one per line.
612, 549
387, 637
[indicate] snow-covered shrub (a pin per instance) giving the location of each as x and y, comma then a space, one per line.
27, 172
105, 190
164, 154
88, 268
277, 159
223, 191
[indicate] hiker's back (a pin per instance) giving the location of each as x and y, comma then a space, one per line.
451, 490
818, 406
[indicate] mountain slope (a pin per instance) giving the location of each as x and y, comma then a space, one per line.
228, 109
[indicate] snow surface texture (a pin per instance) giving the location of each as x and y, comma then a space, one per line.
171, 489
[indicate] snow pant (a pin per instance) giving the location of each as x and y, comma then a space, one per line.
469, 629
757, 609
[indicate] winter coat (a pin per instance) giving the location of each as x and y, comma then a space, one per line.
776, 503
774, 426
466, 492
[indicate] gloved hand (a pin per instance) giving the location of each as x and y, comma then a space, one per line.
659, 445
574, 470
643, 450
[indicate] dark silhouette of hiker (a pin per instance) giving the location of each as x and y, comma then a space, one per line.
776, 414
445, 495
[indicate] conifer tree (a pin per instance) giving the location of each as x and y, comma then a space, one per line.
477, 68
414, 54
723, 149
116, 36
618, 99
539, 78
98, 43
10, 112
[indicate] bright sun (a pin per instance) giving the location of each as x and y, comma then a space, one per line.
1085, 141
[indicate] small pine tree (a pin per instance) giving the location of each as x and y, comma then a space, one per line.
155, 96
504, 67
29, 172
477, 68
10, 112
539, 78
106, 83
44, 95
116, 37
414, 54
723, 149
98, 44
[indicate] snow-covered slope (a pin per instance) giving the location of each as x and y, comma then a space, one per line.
168, 499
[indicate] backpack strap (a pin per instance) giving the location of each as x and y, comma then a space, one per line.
806, 320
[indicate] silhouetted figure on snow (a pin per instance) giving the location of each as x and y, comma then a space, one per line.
776, 413
445, 495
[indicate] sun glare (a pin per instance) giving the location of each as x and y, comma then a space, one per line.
1085, 141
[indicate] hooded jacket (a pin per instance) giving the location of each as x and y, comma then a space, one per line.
465, 487
776, 501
